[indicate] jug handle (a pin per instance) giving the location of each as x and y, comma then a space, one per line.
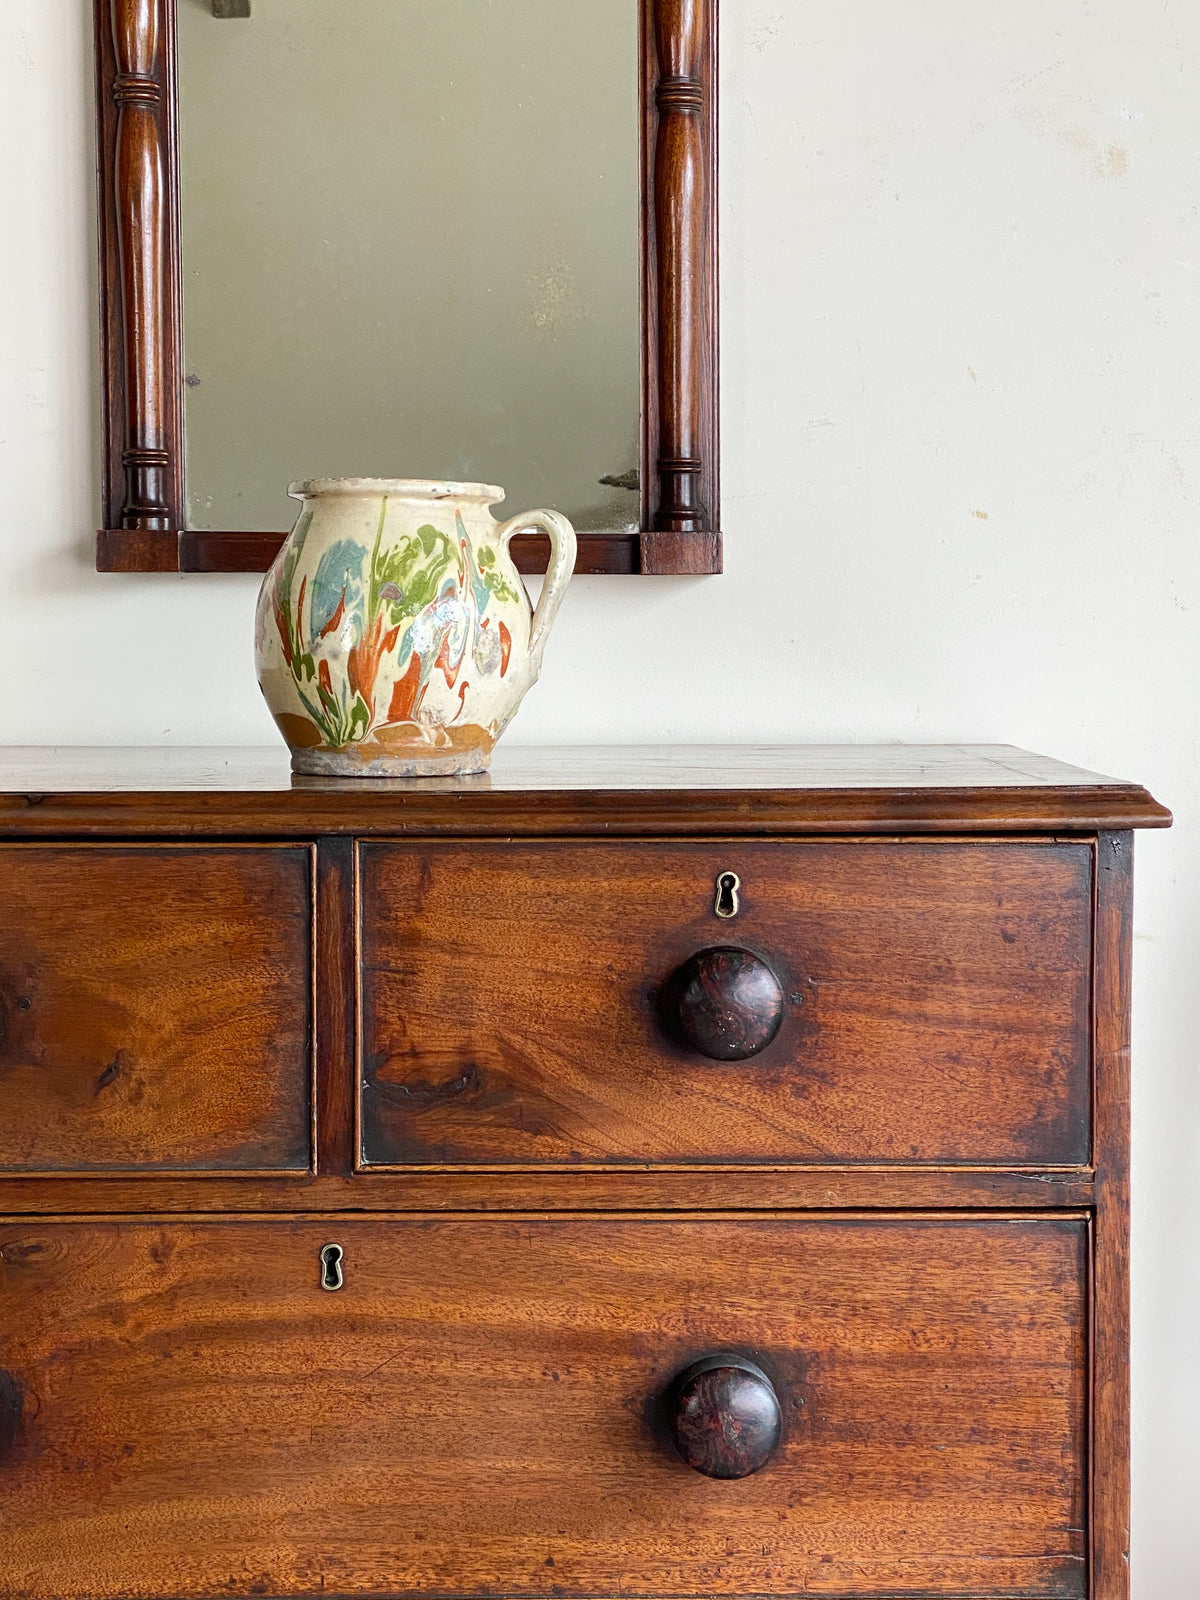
558, 573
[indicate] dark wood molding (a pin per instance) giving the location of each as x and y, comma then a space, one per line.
1109, 1512
314, 805
681, 432
123, 550
139, 280
720, 1190
141, 328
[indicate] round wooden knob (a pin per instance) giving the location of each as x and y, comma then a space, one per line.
11, 1406
730, 1003
725, 1416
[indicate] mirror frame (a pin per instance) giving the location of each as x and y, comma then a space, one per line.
141, 331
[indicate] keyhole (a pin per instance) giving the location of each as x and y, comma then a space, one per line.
331, 1267
728, 884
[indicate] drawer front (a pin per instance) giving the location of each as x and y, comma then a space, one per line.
484, 1407
521, 1003
154, 1008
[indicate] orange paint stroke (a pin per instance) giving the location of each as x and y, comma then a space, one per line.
337, 616
364, 659
404, 692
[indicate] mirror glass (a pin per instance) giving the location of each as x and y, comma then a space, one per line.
410, 248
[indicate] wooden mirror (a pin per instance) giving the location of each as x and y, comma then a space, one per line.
191, 100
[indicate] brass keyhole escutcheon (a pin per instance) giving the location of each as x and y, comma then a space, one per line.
728, 884
332, 1277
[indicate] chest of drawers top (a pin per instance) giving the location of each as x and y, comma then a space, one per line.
234, 792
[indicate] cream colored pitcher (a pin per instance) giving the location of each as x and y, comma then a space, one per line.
394, 637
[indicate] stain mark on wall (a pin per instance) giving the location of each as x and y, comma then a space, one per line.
1103, 160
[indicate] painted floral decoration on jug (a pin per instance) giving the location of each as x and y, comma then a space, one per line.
394, 637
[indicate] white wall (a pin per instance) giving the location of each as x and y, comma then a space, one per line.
962, 469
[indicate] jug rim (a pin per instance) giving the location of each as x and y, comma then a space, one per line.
409, 488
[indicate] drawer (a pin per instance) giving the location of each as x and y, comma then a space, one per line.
523, 1004
486, 1407
154, 1008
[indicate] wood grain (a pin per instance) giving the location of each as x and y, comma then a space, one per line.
335, 985
937, 1004
154, 1008
476, 1412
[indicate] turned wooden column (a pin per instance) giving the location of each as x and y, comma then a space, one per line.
678, 198
137, 95
682, 432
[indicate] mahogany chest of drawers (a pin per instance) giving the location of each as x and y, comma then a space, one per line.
655, 1174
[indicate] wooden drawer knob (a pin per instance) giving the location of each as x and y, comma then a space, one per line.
730, 1003
725, 1416
11, 1406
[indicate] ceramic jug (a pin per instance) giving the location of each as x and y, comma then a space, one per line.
394, 637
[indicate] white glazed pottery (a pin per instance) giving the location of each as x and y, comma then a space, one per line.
394, 637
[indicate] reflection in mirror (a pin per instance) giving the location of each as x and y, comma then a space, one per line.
410, 248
